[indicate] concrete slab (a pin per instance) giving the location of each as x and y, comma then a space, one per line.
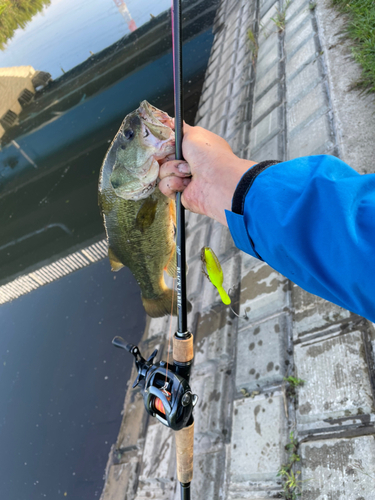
122, 481
339, 469
271, 150
159, 443
311, 104
295, 7
267, 103
266, 129
312, 313
305, 55
261, 354
316, 138
258, 439
300, 36
336, 379
303, 83
264, 292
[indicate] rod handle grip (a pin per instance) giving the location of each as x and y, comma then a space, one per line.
184, 453
183, 350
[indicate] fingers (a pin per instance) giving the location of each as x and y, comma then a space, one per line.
176, 168
172, 184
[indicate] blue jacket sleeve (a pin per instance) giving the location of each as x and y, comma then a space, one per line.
313, 220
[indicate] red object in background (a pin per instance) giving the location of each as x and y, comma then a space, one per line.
132, 26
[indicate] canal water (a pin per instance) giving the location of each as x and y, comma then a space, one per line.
62, 383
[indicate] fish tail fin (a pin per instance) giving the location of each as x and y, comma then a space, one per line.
162, 305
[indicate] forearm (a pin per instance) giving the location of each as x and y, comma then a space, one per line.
313, 220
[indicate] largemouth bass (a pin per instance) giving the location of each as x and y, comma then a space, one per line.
139, 220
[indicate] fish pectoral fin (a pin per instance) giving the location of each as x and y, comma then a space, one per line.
115, 262
171, 267
146, 214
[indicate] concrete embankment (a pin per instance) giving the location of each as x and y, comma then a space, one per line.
278, 91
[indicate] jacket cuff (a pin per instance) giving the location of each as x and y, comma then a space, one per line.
243, 187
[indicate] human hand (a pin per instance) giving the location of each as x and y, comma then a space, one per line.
208, 177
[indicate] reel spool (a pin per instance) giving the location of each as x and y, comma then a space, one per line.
166, 395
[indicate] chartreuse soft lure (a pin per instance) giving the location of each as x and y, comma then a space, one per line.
212, 269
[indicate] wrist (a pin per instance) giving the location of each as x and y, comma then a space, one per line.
225, 186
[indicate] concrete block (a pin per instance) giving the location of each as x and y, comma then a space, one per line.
239, 141
241, 115
193, 219
221, 241
206, 105
269, 59
266, 103
214, 336
301, 35
336, 379
272, 150
227, 64
303, 83
264, 292
296, 6
312, 313
265, 5
315, 138
243, 95
209, 478
341, 469
218, 127
267, 81
134, 419
213, 384
236, 493
296, 22
306, 54
155, 490
258, 439
266, 25
266, 129
121, 481
196, 239
261, 354
243, 72
194, 280
159, 443
220, 106
267, 44
156, 326
314, 102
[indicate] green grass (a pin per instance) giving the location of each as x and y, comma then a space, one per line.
360, 27
16, 14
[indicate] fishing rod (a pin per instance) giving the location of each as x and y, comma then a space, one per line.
166, 390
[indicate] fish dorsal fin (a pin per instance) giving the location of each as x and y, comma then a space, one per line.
146, 214
115, 262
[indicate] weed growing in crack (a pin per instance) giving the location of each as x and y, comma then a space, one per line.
280, 18
291, 483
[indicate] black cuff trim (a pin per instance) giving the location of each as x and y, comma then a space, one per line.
243, 187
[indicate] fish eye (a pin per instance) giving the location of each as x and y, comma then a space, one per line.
129, 134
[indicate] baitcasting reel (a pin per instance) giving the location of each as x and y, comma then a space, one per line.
167, 395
